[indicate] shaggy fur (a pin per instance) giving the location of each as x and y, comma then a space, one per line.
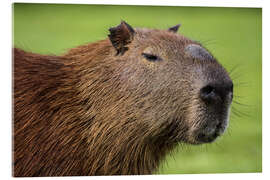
104, 109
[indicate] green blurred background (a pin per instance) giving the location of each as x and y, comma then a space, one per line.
233, 35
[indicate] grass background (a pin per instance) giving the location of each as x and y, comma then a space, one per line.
233, 35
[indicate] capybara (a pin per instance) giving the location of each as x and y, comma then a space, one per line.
116, 106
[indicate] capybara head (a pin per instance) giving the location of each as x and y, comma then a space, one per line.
174, 80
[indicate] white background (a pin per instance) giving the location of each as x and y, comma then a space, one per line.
6, 88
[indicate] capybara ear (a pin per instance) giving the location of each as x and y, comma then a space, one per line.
120, 36
174, 28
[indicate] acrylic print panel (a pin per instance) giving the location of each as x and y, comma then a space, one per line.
232, 35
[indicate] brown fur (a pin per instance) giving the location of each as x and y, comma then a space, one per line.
93, 111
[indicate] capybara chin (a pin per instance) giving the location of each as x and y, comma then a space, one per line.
116, 106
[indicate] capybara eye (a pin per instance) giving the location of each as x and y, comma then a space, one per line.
151, 57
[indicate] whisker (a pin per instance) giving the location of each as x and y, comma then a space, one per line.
236, 115
241, 104
233, 69
242, 84
237, 96
239, 113
235, 77
209, 42
229, 131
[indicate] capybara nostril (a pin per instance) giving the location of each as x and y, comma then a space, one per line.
208, 93
215, 92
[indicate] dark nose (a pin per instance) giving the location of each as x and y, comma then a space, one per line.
217, 92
